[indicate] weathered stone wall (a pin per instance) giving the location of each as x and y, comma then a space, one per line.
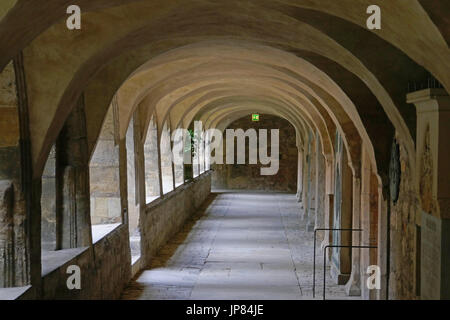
9, 117
105, 270
14, 245
248, 176
402, 278
165, 216
106, 266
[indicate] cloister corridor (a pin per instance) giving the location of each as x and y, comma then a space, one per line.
190, 150
238, 246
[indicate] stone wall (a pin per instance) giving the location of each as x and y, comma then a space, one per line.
106, 266
165, 216
105, 270
402, 278
14, 244
248, 176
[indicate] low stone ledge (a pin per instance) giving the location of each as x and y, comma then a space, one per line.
159, 201
164, 217
13, 293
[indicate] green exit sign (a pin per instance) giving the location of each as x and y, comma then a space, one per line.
255, 117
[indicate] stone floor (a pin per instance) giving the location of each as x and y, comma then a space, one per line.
238, 246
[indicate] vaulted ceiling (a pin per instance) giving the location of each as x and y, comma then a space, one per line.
312, 62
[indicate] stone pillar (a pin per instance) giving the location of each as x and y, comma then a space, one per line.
320, 190
328, 203
305, 183
382, 243
16, 221
158, 145
6, 234
433, 183
140, 175
353, 286
132, 190
342, 217
72, 182
299, 173
312, 185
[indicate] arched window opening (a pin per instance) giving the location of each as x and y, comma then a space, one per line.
201, 142
151, 158
207, 151
133, 199
178, 139
196, 138
104, 174
166, 160
48, 204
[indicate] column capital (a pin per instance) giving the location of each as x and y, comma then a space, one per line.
421, 99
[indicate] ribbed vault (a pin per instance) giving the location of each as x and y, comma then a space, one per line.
119, 38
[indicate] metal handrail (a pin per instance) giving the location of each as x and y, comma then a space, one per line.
325, 260
314, 258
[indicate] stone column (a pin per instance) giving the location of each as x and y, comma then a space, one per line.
320, 190
17, 225
140, 174
353, 286
382, 252
299, 173
433, 183
342, 218
72, 182
132, 183
328, 203
158, 145
305, 183
312, 185
6, 234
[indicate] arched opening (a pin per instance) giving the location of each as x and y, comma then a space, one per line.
152, 179
166, 160
49, 231
133, 192
104, 178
